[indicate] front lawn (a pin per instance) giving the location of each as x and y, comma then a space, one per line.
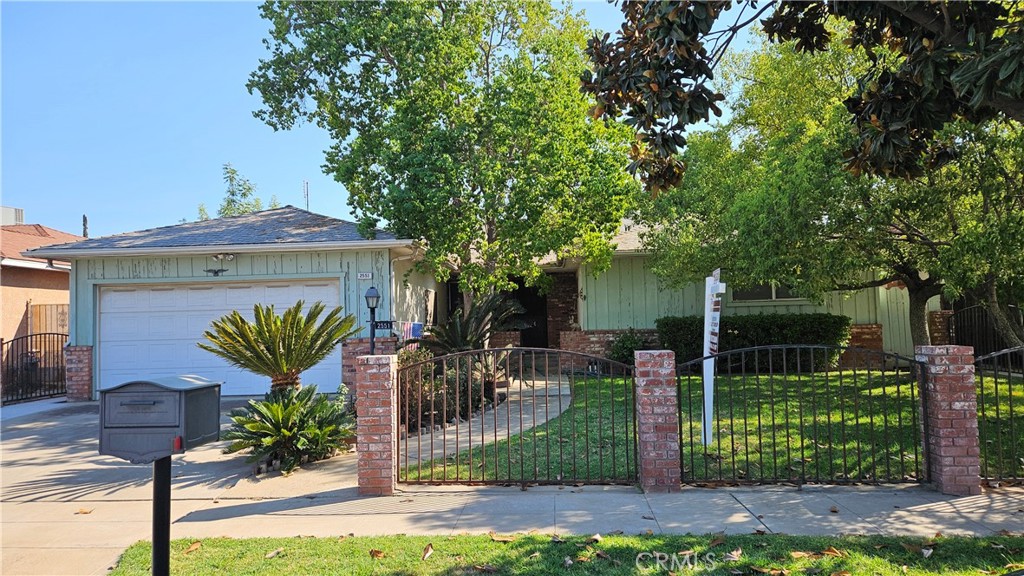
537, 555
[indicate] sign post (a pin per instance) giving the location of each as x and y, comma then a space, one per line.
713, 291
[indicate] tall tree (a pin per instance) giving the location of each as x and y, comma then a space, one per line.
767, 197
459, 123
239, 198
930, 63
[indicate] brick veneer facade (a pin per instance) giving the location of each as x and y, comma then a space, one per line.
950, 418
78, 371
657, 420
562, 306
864, 337
510, 339
939, 329
353, 348
376, 424
599, 342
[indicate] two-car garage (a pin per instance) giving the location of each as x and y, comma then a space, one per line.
148, 331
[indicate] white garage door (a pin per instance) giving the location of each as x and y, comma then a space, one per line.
151, 331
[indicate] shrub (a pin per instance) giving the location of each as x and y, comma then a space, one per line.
426, 396
685, 334
290, 425
471, 331
625, 345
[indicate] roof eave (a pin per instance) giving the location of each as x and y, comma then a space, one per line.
70, 253
34, 265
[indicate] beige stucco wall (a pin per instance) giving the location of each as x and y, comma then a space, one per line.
19, 287
410, 290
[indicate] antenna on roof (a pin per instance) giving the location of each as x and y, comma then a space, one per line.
85, 226
305, 193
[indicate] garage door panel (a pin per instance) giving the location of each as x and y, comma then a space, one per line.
148, 332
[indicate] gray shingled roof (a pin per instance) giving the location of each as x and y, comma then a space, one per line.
278, 227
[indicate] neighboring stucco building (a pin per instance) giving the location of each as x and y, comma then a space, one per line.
34, 291
140, 301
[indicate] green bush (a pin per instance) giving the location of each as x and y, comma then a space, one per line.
625, 345
428, 397
685, 335
291, 425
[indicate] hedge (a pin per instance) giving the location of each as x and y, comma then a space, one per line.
685, 334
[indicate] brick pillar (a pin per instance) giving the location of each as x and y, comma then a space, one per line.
377, 424
353, 348
950, 419
78, 372
657, 419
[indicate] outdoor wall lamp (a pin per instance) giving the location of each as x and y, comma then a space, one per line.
372, 300
222, 257
219, 259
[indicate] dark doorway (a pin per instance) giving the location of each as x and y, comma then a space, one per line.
536, 316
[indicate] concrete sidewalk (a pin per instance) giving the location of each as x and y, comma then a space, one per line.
67, 510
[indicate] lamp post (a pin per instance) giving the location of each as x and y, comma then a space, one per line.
372, 300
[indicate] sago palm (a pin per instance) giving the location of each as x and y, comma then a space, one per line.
280, 347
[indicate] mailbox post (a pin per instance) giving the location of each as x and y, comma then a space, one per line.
149, 420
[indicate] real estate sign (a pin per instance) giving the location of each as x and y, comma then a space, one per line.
714, 288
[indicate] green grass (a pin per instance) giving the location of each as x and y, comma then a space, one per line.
1001, 424
537, 555
835, 426
593, 440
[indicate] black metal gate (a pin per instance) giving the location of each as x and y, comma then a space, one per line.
33, 367
999, 378
517, 416
803, 414
973, 326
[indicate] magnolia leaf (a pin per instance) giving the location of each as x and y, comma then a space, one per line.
84, 511
719, 539
831, 551
567, 561
195, 546
500, 538
274, 553
486, 568
427, 551
376, 554
595, 538
733, 556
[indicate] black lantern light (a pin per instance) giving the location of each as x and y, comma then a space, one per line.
372, 300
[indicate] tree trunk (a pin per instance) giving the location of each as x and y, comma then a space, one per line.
1000, 320
284, 382
919, 318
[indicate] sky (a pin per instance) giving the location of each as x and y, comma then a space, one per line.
127, 111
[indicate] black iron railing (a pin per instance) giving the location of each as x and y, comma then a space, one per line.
803, 414
973, 326
999, 378
33, 367
517, 416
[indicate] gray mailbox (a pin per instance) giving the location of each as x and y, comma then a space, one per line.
145, 420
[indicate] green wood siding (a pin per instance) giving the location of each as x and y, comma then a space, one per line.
629, 295
89, 274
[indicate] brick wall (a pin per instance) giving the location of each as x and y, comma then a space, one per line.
939, 329
376, 424
561, 304
353, 348
78, 366
511, 339
863, 336
599, 342
657, 421
950, 419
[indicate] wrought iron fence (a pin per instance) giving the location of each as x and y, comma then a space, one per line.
803, 414
999, 378
33, 367
517, 416
973, 326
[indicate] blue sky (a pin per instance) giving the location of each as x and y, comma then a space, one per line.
126, 112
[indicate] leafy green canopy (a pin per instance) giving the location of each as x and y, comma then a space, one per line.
930, 63
239, 198
459, 123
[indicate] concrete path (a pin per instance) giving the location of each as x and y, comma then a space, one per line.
67, 510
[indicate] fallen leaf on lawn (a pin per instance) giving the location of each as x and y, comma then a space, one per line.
771, 571
1000, 546
904, 568
427, 551
595, 538
841, 573
719, 539
686, 553
556, 540
602, 554
1013, 566
376, 554
831, 551
800, 554
276, 553
649, 532
487, 568
733, 556
567, 562
195, 546
534, 555
926, 552
834, 510
879, 546
582, 558
84, 511
912, 548
735, 571
500, 538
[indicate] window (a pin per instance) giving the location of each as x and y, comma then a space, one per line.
763, 292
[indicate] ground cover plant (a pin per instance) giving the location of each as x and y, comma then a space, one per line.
540, 554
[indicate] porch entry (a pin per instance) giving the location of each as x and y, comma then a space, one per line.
803, 414
517, 416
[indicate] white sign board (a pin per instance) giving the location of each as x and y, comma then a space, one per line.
364, 276
713, 291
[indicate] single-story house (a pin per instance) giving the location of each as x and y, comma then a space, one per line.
140, 301
585, 312
34, 291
